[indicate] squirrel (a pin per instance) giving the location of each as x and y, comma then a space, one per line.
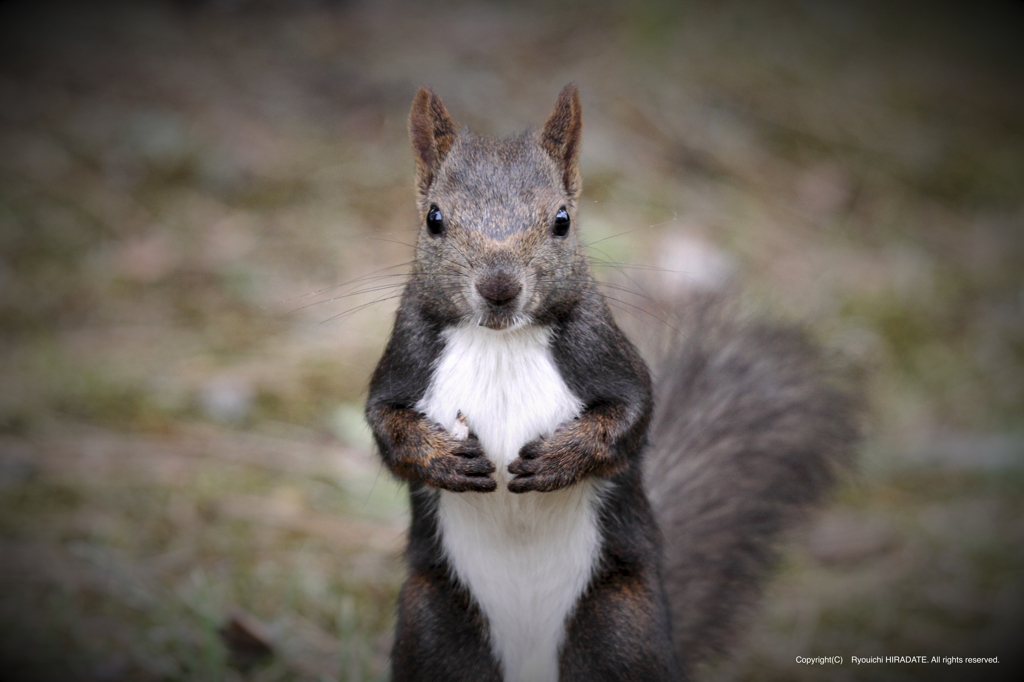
570, 518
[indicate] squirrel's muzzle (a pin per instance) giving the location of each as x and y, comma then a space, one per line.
499, 288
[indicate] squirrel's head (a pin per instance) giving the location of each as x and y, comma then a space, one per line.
498, 244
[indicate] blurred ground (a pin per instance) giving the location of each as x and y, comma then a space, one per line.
190, 192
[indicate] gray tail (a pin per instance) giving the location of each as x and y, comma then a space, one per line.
751, 428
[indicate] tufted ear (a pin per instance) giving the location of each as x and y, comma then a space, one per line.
561, 137
432, 133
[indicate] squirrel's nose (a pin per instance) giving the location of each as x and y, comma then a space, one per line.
499, 289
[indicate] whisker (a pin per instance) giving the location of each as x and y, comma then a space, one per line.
674, 217
600, 283
369, 275
367, 290
638, 286
633, 266
615, 304
390, 241
360, 307
612, 298
641, 309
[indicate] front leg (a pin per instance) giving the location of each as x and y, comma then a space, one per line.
598, 443
415, 448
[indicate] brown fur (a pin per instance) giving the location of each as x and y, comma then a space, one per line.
422, 451
585, 447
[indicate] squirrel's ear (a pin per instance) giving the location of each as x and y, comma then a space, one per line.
432, 133
561, 137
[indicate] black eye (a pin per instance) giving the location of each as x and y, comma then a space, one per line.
561, 227
435, 221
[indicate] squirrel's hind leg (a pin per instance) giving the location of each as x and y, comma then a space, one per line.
440, 634
619, 631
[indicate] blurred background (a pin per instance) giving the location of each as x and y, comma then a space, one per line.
206, 209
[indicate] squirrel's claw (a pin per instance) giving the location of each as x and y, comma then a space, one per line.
540, 468
461, 467
539, 482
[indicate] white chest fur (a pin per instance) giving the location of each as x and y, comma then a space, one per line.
525, 558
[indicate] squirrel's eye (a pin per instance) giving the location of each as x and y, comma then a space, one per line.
435, 221
561, 227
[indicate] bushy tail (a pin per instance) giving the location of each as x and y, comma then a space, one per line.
750, 430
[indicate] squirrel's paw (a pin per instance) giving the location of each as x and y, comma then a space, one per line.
458, 465
542, 466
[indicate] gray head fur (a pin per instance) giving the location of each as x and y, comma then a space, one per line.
489, 250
